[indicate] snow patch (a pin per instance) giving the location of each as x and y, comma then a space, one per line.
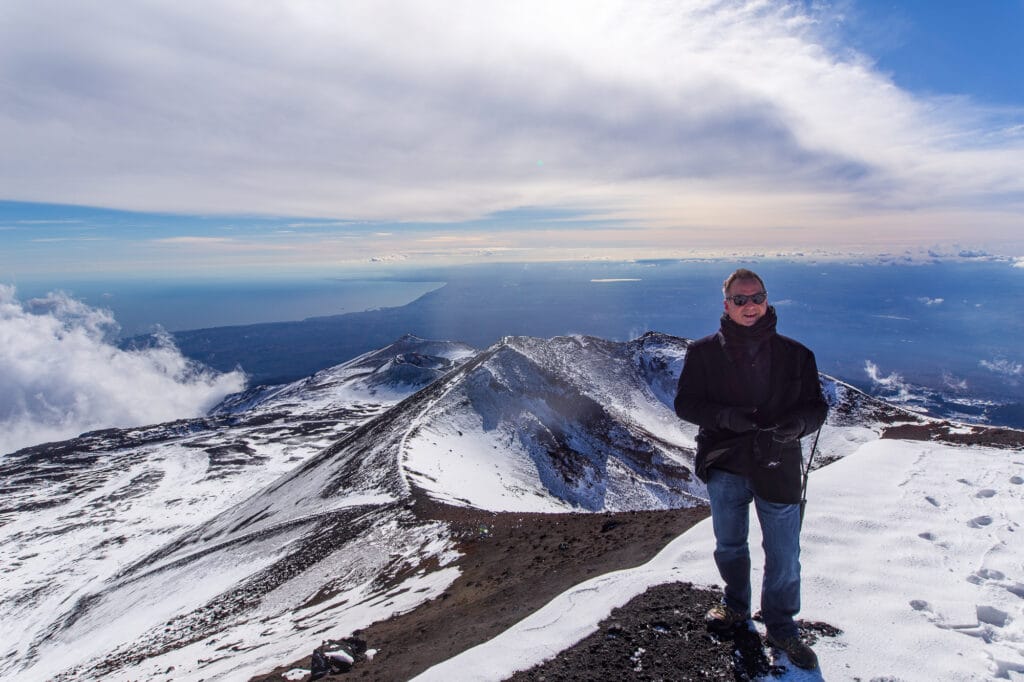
880, 561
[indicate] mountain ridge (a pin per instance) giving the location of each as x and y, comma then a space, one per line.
343, 463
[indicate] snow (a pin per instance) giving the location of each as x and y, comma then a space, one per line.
912, 549
487, 438
168, 549
340, 656
461, 467
184, 498
277, 630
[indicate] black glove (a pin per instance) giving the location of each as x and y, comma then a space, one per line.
767, 449
737, 419
789, 430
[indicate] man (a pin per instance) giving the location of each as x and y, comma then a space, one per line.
753, 393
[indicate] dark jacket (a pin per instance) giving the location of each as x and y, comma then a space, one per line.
710, 383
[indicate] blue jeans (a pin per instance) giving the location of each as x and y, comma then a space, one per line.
730, 497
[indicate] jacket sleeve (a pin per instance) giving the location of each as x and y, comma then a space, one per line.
811, 407
691, 401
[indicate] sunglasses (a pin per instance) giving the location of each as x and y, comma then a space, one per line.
743, 299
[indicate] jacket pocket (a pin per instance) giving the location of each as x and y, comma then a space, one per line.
777, 475
728, 454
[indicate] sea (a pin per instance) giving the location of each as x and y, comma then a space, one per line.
946, 338
142, 306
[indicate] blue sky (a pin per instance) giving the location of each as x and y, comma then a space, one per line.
176, 139
945, 47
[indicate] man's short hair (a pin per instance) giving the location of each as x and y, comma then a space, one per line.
741, 273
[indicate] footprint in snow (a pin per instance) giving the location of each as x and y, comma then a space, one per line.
990, 574
934, 617
993, 616
986, 618
920, 605
999, 578
984, 574
931, 500
1016, 480
985, 492
979, 521
927, 536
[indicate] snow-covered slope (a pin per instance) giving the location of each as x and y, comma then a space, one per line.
218, 547
914, 550
384, 376
83, 521
559, 424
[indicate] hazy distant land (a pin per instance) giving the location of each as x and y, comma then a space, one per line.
937, 336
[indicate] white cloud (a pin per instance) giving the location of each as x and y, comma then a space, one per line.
892, 385
222, 245
62, 376
47, 240
712, 114
1003, 366
952, 382
931, 301
199, 241
389, 258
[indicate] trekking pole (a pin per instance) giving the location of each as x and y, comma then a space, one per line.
807, 473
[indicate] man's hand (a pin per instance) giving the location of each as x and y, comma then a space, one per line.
737, 419
789, 430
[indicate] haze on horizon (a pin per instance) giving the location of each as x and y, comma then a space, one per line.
170, 138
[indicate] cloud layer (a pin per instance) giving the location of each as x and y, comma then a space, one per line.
62, 377
1007, 368
685, 121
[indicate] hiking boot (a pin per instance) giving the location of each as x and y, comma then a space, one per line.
801, 655
720, 618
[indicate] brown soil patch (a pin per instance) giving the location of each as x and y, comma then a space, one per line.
660, 635
512, 565
945, 432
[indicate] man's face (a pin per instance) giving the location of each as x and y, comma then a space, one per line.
750, 313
